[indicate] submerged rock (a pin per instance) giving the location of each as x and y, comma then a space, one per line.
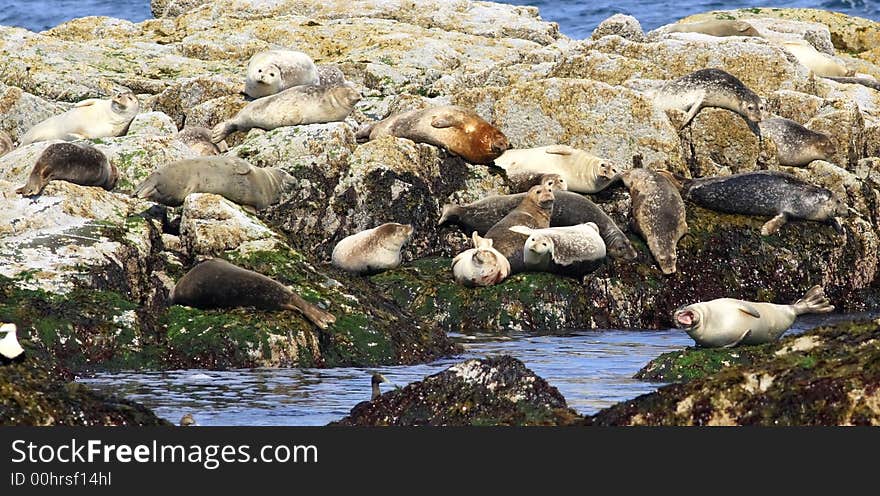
491, 391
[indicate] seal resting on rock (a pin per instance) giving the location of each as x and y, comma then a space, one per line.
524, 182
198, 139
91, 118
216, 283
582, 171
767, 193
6, 144
716, 27
455, 129
658, 213
867, 82
570, 250
727, 322
796, 145
307, 104
372, 250
481, 265
709, 88
534, 211
72, 162
273, 71
10, 348
821, 64
230, 177
569, 209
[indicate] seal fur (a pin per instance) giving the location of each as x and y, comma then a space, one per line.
72, 162
372, 250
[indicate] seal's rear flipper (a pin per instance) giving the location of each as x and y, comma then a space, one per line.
317, 316
814, 301
738, 341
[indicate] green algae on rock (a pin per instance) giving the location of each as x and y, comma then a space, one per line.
827, 376
491, 391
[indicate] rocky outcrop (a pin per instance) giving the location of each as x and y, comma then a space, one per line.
828, 376
491, 391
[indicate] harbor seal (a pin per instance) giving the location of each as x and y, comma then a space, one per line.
727, 322
709, 88
796, 145
524, 182
658, 213
571, 250
716, 27
867, 82
72, 162
88, 119
582, 171
821, 64
534, 211
481, 265
767, 193
187, 420
216, 283
374, 384
372, 250
330, 75
295, 106
569, 209
198, 139
6, 144
10, 348
230, 177
455, 129
274, 71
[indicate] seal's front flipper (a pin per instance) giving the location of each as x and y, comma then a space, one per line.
773, 225
692, 112
749, 310
740, 340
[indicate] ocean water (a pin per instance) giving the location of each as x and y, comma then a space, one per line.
576, 18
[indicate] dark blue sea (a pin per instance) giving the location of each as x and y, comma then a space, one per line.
576, 18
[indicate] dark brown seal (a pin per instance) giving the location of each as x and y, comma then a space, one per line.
456, 129
658, 213
72, 162
216, 283
534, 211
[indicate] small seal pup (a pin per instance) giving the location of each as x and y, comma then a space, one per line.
306, 104
372, 250
534, 211
9, 345
570, 250
72, 162
658, 213
524, 182
216, 283
582, 171
481, 265
198, 139
92, 118
767, 193
456, 129
569, 209
821, 64
797, 146
716, 27
727, 322
274, 71
230, 177
709, 88
6, 144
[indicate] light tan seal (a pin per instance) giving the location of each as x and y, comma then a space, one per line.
216, 283
727, 322
534, 211
198, 139
6, 144
88, 119
796, 145
231, 177
72, 162
372, 250
274, 71
658, 213
582, 172
481, 265
709, 88
455, 129
292, 107
569, 250
821, 64
716, 27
